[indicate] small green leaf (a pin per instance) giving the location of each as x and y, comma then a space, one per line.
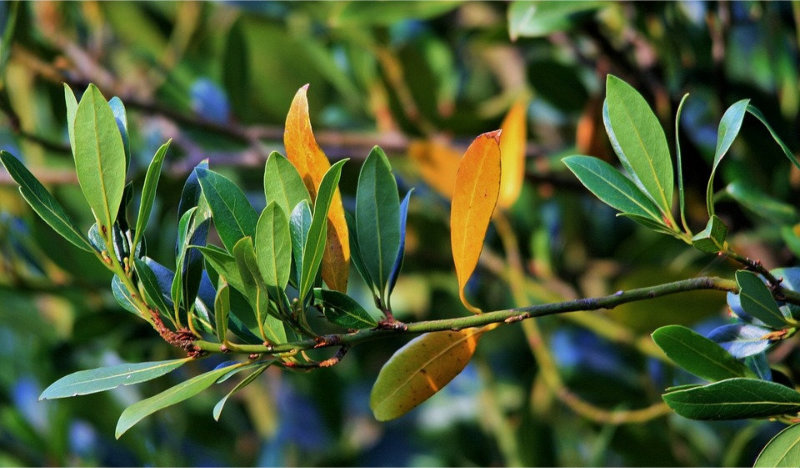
44, 204
734, 399
611, 187
728, 130
222, 305
641, 141
679, 159
315, 244
282, 183
224, 264
697, 354
757, 301
152, 290
274, 246
712, 238
149, 191
106, 378
378, 218
233, 216
184, 390
245, 382
123, 296
343, 310
72, 109
121, 117
541, 18
299, 225
757, 114
782, 450
99, 156
355, 254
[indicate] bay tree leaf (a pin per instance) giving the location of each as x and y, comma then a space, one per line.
43, 203
437, 163
611, 186
123, 296
378, 218
398, 261
728, 130
641, 141
698, 354
735, 398
299, 225
121, 117
222, 305
274, 330
99, 156
105, 378
741, 339
149, 191
273, 244
541, 18
474, 200
782, 451
753, 110
152, 288
312, 165
761, 204
72, 108
233, 216
679, 160
513, 137
183, 391
224, 264
217, 412
757, 301
355, 254
343, 310
282, 184
420, 369
190, 195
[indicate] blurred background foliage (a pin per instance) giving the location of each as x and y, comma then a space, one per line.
421, 79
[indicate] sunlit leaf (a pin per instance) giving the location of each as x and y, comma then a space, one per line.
299, 225
121, 117
757, 301
698, 354
222, 305
72, 108
282, 183
741, 339
437, 163
233, 216
782, 450
540, 18
217, 412
734, 399
123, 296
273, 246
729, 127
513, 138
224, 264
474, 199
105, 378
312, 165
149, 191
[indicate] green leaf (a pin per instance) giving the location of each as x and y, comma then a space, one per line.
611, 187
72, 109
641, 141
697, 354
274, 246
274, 330
782, 450
679, 159
757, 114
121, 117
99, 156
355, 254
649, 223
176, 291
541, 18
378, 218
420, 369
224, 264
236, 69
149, 191
152, 290
761, 204
299, 225
757, 300
184, 390
246, 263
734, 399
106, 378
343, 310
728, 130
190, 195
123, 296
222, 305
282, 183
315, 244
245, 382
44, 204
398, 261
233, 216
712, 238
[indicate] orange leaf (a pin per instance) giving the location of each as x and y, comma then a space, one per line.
512, 153
302, 150
437, 164
475, 196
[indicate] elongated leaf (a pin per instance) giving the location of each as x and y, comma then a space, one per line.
99, 156
734, 399
420, 369
274, 330
184, 390
378, 218
72, 109
679, 159
355, 253
761, 204
245, 382
312, 165
121, 117
190, 195
299, 225
106, 378
611, 187
757, 301
192, 260
697, 354
152, 288
274, 246
437, 163
245, 256
474, 199
123, 296
540, 18
315, 246
513, 136
641, 141
741, 340
757, 114
44, 204
728, 130
222, 305
149, 191
224, 264
343, 310
233, 216
398, 261
782, 450
282, 183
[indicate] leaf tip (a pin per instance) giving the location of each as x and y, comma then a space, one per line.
495, 134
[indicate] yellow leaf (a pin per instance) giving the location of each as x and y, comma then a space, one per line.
512, 153
420, 369
302, 150
437, 164
475, 196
